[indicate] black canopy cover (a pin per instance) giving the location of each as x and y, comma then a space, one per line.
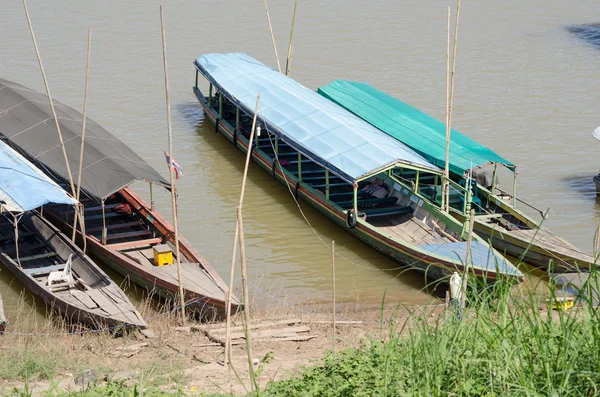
27, 124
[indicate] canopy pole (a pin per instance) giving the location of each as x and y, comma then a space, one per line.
355, 198
327, 184
514, 190
494, 176
62, 143
85, 95
299, 167
467, 258
272, 37
151, 198
103, 224
237, 121
445, 184
220, 104
196, 78
82, 226
174, 207
210, 94
16, 225
289, 55
235, 242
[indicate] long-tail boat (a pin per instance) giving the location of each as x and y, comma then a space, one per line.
121, 229
50, 265
497, 217
342, 166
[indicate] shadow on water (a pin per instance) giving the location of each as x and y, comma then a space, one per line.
588, 32
582, 184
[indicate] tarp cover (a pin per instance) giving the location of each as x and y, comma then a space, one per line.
23, 187
26, 121
416, 129
321, 130
482, 256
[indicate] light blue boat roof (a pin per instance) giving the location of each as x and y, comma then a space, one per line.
318, 128
482, 256
23, 187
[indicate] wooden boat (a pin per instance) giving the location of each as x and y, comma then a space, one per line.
2, 316
121, 228
497, 218
337, 162
49, 264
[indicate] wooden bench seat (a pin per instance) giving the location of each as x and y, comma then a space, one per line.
135, 233
370, 201
107, 215
135, 243
114, 226
36, 271
38, 256
387, 211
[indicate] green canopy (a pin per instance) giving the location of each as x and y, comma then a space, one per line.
409, 125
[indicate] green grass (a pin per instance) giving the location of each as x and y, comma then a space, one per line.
501, 345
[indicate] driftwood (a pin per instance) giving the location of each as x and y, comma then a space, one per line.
269, 331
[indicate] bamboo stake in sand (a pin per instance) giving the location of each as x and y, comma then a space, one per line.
272, 37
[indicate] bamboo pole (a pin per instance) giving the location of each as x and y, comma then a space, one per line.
60, 138
451, 102
235, 241
272, 37
467, 258
248, 338
333, 287
289, 55
446, 184
85, 95
171, 171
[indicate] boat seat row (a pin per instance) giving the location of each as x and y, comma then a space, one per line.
368, 202
373, 212
37, 271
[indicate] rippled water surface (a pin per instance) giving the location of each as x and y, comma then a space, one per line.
526, 86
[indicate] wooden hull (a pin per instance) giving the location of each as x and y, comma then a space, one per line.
203, 288
536, 245
101, 304
432, 267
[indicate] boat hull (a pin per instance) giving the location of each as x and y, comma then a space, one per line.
431, 267
165, 287
71, 312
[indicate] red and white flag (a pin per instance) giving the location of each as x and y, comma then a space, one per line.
176, 167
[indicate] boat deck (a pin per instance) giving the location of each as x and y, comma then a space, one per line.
409, 228
553, 245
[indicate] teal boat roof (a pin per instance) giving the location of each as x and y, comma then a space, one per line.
23, 187
423, 133
321, 130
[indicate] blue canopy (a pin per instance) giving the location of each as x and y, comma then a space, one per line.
321, 130
23, 187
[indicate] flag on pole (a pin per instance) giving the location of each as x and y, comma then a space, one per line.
176, 167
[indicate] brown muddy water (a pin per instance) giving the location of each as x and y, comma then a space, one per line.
526, 87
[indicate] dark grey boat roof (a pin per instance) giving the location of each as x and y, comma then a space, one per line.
27, 124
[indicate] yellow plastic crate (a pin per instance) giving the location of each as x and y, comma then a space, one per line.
562, 302
163, 255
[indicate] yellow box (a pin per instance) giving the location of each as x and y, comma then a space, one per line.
163, 255
562, 302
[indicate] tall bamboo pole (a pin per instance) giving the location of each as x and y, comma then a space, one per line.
468, 255
235, 240
449, 125
60, 138
253, 384
85, 95
171, 171
446, 183
289, 55
272, 37
333, 287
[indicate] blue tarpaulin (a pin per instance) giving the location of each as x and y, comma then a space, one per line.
318, 128
23, 187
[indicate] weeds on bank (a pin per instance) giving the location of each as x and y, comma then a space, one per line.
500, 345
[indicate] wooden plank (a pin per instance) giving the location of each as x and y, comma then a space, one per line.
134, 244
135, 233
266, 324
297, 338
103, 302
267, 332
38, 256
109, 215
43, 270
114, 226
85, 299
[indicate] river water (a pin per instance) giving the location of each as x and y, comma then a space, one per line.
525, 87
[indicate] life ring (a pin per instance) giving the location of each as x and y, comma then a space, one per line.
351, 219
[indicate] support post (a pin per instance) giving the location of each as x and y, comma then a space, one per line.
467, 257
494, 176
333, 288
171, 171
235, 242
210, 94
85, 95
299, 167
326, 184
237, 120
151, 198
514, 203
103, 223
220, 104
355, 198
